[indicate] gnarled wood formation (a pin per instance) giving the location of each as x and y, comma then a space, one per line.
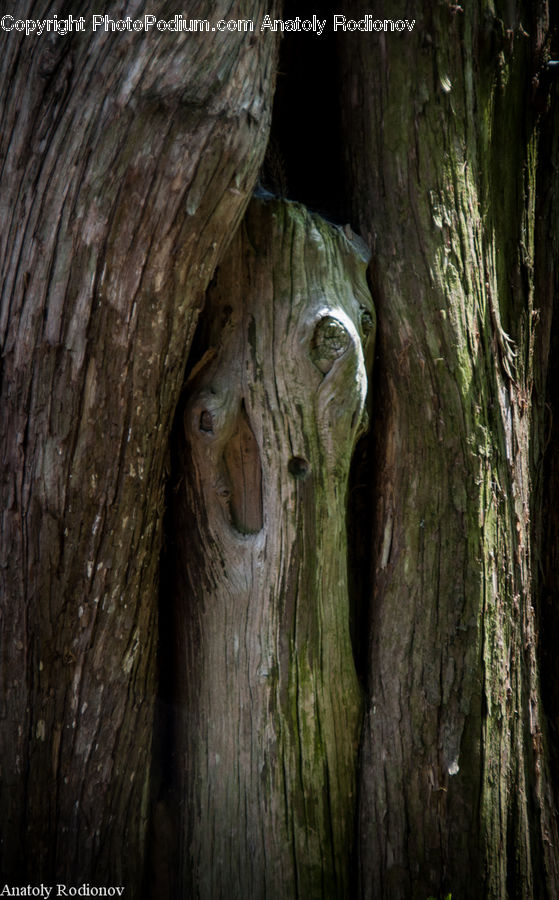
270, 705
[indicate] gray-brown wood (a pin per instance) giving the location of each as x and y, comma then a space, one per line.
269, 703
441, 134
127, 161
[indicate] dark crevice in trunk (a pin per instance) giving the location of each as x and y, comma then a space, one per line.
161, 876
359, 527
369, 547
304, 159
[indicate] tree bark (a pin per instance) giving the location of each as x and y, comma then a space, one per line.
269, 703
454, 786
127, 163
546, 384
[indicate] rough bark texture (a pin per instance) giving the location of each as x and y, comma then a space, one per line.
547, 386
269, 704
454, 784
127, 160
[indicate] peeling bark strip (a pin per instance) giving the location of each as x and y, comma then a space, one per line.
272, 707
126, 163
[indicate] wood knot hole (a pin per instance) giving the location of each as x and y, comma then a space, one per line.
298, 467
206, 422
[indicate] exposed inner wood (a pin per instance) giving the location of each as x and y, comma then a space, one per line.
242, 464
270, 703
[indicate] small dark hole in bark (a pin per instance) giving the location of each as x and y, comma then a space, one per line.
226, 315
298, 467
206, 422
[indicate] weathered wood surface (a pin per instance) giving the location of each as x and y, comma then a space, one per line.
127, 161
441, 138
269, 703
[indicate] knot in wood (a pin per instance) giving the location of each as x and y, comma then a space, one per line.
206, 421
330, 341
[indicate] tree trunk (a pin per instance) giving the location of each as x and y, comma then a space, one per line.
127, 163
454, 787
547, 286
269, 703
